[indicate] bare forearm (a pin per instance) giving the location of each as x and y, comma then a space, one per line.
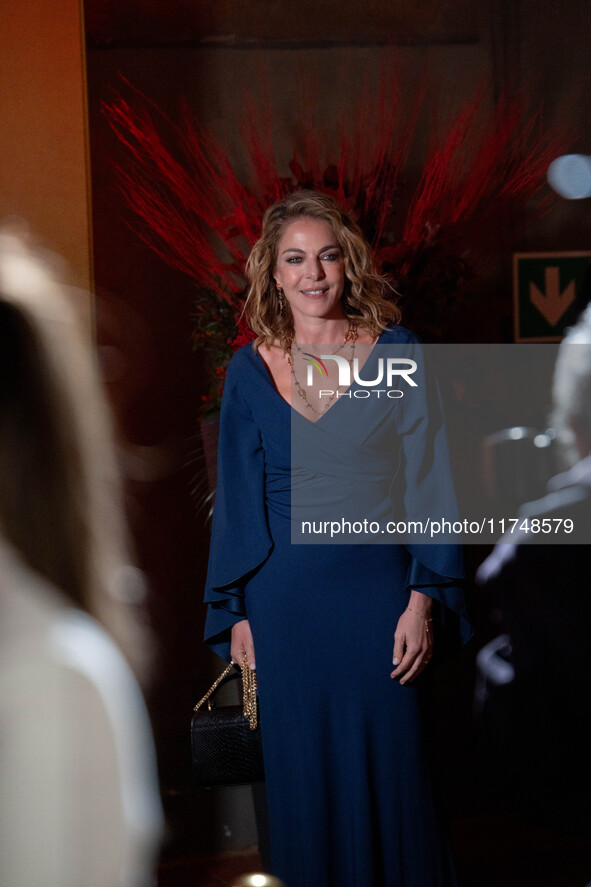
421, 603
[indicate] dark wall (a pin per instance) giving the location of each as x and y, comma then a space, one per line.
144, 326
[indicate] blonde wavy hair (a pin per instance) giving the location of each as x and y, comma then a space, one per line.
61, 503
364, 295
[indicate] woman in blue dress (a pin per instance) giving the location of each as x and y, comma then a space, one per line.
339, 633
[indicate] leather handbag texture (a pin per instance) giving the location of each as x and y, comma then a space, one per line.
226, 747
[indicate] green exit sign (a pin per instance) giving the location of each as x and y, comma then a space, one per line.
549, 292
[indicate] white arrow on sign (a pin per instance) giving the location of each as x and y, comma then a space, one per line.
552, 303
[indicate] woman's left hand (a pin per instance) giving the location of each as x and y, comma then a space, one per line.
413, 639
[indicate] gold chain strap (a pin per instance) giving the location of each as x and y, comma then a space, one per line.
249, 692
214, 686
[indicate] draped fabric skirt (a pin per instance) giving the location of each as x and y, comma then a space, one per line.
349, 795
348, 789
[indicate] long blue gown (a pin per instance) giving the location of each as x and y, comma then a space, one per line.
348, 790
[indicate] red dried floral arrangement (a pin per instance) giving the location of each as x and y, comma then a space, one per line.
195, 213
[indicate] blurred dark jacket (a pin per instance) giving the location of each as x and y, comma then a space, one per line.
534, 689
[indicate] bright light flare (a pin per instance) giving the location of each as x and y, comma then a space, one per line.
570, 176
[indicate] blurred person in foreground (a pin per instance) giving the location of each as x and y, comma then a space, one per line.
535, 678
80, 804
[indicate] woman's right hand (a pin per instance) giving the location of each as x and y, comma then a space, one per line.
242, 644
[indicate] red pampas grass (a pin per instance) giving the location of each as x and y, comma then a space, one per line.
194, 212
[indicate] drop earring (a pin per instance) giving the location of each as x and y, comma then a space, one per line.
281, 300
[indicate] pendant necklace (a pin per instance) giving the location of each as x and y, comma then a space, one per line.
350, 336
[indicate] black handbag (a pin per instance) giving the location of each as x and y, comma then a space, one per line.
226, 747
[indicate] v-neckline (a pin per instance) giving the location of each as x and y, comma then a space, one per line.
271, 381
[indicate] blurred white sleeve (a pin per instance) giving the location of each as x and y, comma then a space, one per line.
79, 803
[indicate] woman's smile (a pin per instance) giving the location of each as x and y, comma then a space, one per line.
314, 294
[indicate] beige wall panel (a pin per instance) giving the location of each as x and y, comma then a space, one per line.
43, 130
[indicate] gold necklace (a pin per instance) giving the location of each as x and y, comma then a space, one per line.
350, 336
